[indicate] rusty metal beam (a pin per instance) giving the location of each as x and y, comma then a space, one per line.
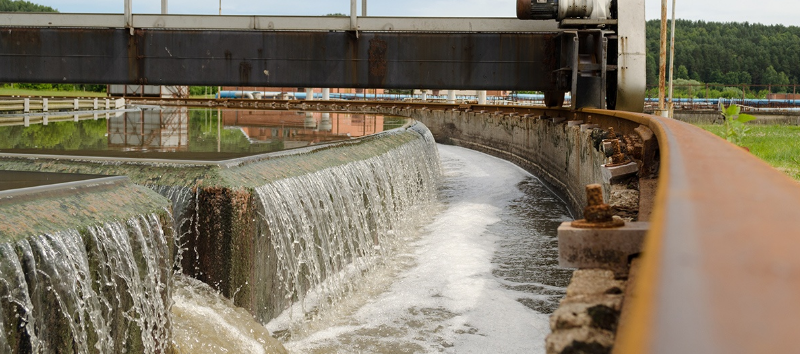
508, 61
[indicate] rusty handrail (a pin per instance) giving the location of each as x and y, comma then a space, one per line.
720, 269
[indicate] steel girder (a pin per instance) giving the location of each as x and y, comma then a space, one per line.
402, 60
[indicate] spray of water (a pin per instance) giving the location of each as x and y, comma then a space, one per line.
103, 289
330, 227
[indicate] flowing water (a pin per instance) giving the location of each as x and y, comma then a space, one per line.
480, 276
103, 289
205, 322
330, 226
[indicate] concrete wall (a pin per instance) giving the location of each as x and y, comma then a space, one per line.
562, 155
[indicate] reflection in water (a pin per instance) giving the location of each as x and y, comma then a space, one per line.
190, 131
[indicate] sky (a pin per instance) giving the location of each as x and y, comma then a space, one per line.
786, 12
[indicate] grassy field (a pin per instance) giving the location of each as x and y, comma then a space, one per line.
7, 91
778, 145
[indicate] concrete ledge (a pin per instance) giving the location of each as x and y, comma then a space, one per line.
611, 172
600, 248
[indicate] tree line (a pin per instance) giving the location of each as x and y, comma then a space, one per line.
23, 6
731, 53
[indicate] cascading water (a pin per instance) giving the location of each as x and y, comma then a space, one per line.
327, 226
185, 223
103, 289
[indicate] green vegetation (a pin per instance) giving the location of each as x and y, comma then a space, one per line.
729, 53
778, 145
734, 122
202, 91
203, 136
23, 6
85, 135
7, 90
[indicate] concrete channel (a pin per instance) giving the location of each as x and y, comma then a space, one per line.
718, 269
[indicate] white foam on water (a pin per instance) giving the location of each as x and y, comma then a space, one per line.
439, 294
205, 322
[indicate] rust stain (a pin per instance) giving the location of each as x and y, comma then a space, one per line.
245, 68
377, 61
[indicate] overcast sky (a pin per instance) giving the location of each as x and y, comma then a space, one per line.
786, 12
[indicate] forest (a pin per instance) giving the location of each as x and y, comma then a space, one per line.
23, 6
731, 53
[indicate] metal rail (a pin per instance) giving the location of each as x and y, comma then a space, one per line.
277, 23
720, 266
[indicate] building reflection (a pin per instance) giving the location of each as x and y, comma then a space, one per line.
298, 129
150, 129
181, 129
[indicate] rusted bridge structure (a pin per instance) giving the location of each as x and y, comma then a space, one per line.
720, 272
586, 56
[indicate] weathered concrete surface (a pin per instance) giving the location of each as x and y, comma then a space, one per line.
66, 249
588, 316
563, 155
600, 248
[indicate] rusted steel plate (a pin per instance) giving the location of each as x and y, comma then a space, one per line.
721, 272
508, 61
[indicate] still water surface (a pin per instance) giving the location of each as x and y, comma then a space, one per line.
188, 133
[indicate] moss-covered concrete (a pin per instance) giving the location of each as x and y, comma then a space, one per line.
61, 273
74, 208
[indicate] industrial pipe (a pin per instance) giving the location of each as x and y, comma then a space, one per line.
558, 10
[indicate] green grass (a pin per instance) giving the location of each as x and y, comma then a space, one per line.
778, 145
7, 91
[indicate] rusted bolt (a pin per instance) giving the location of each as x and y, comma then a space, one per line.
618, 157
597, 214
611, 134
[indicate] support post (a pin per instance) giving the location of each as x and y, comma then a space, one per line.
354, 15
364, 8
129, 14
95, 103
309, 94
662, 64
75, 104
27, 105
451, 96
424, 95
44, 105
164, 7
326, 94
671, 60
482, 97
